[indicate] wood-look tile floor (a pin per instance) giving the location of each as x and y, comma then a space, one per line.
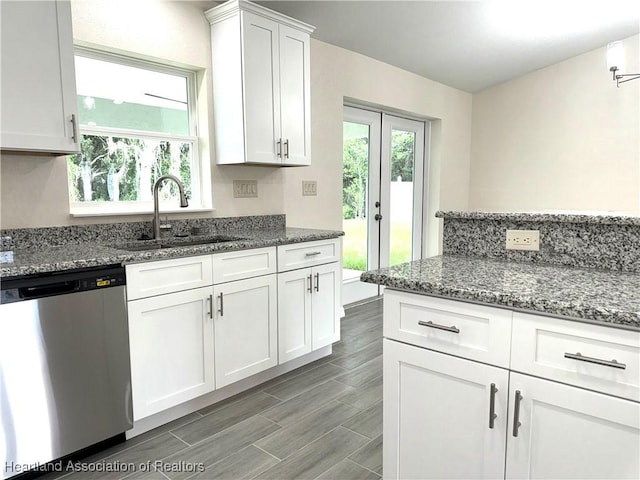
323, 420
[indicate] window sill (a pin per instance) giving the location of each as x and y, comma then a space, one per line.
87, 211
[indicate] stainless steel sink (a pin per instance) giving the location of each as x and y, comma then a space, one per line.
141, 245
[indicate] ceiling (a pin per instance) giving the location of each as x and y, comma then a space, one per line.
469, 45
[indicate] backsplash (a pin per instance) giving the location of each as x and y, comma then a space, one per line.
110, 233
591, 241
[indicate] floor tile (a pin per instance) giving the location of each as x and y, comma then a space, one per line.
222, 418
316, 457
240, 465
348, 470
292, 438
300, 383
292, 410
370, 456
362, 356
364, 396
367, 423
363, 374
225, 443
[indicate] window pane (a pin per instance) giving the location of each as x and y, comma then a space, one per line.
116, 168
125, 97
403, 146
355, 157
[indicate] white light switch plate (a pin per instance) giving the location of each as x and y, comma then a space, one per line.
523, 240
245, 188
309, 188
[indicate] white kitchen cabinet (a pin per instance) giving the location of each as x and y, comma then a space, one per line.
261, 79
436, 415
571, 424
308, 309
38, 94
172, 349
568, 432
245, 328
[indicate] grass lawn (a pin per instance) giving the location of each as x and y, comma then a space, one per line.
354, 249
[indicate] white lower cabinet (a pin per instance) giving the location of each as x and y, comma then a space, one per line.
308, 309
571, 425
245, 328
568, 432
436, 415
171, 341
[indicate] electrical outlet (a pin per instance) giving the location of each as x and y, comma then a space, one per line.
245, 188
523, 240
309, 188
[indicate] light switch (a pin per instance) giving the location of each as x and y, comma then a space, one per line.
309, 188
245, 188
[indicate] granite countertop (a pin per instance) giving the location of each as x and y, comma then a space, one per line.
89, 254
603, 296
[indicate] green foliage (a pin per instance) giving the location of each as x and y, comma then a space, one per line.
355, 156
402, 155
115, 163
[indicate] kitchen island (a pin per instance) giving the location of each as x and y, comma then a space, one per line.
516, 364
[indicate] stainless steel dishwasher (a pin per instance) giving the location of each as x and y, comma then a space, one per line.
65, 381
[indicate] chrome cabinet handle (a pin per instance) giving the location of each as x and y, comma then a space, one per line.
74, 123
312, 254
317, 282
279, 148
492, 405
430, 324
221, 309
516, 413
286, 148
210, 302
309, 287
607, 363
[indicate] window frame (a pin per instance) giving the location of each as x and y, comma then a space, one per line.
200, 174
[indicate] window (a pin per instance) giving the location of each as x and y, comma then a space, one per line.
137, 122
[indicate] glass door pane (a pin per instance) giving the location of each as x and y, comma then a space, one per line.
403, 149
355, 180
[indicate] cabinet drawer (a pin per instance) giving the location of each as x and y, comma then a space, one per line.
578, 354
471, 331
231, 266
167, 276
307, 254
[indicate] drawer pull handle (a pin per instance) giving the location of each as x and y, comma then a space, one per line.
309, 289
312, 254
221, 309
210, 302
516, 413
279, 148
317, 282
430, 324
607, 363
492, 405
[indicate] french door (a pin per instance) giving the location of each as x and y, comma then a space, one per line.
383, 173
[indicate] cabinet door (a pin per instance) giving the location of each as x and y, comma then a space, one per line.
246, 328
294, 314
38, 77
325, 304
567, 432
294, 96
261, 88
171, 340
436, 415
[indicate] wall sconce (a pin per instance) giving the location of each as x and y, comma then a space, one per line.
616, 63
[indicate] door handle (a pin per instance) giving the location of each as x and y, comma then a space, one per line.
74, 124
286, 148
210, 302
377, 217
279, 148
492, 405
309, 287
221, 309
317, 282
516, 413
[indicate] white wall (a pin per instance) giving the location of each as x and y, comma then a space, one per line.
337, 74
561, 138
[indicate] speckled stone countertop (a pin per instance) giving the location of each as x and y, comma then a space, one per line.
91, 254
609, 297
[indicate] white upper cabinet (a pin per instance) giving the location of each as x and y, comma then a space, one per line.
38, 94
261, 77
